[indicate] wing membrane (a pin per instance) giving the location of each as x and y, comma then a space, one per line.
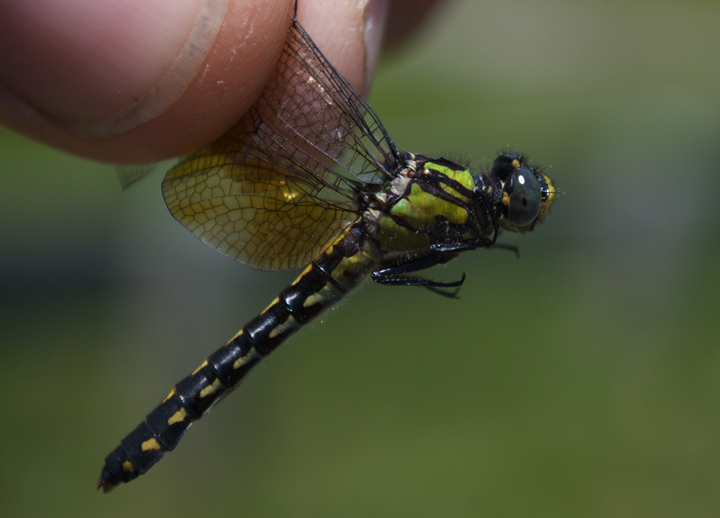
309, 99
280, 185
253, 210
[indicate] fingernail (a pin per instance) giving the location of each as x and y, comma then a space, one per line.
375, 16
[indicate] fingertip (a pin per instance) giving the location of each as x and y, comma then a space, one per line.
244, 54
100, 68
138, 117
348, 33
227, 79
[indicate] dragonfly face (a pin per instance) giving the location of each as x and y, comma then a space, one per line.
309, 178
522, 193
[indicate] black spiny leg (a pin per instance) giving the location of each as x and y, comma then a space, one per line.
395, 275
448, 294
463, 246
512, 248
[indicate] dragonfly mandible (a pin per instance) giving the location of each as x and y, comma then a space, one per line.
309, 178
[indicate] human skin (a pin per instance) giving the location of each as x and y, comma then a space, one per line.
136, 81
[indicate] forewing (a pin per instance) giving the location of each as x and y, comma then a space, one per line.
308, 100
281, 184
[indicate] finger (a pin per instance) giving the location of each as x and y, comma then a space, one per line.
349, 33
85, 76
111, 93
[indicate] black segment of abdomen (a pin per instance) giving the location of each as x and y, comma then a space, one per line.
293, 304
314, 291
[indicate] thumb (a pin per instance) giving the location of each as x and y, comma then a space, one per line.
132, 81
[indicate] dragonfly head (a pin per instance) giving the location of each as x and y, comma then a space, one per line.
519, 191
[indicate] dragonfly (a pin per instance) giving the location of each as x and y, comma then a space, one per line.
310, 178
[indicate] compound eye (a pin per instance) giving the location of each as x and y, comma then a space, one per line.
525, 197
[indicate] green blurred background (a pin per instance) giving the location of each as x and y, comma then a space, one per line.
581, 380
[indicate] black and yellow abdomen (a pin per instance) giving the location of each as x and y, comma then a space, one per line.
323, 283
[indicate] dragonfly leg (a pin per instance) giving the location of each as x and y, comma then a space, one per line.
396, 275
464, 246
404, 280
448, 294
512, 248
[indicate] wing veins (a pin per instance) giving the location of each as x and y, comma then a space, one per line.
299, 163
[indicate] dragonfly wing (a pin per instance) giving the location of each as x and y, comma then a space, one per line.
276, 189
241, 197
309, 101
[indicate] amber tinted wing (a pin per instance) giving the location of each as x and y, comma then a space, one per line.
275, 190
252, 209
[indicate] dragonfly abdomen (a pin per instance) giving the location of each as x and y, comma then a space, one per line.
323, 283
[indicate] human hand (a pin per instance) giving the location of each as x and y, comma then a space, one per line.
134, 81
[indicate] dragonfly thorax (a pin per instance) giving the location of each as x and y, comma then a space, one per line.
426, 202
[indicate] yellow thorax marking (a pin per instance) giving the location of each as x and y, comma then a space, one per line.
463, 176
